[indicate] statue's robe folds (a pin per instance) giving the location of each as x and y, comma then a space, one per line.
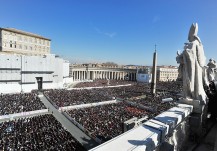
193, 68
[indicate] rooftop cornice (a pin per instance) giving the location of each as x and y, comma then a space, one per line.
24, 33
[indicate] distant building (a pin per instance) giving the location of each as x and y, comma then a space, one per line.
13, 41
167, 73
83, 72
26, 63
164, 73
20, 73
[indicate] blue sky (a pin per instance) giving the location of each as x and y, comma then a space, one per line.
121, 31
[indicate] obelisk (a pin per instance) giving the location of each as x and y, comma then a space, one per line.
154, 73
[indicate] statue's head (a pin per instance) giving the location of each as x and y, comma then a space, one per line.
193, 32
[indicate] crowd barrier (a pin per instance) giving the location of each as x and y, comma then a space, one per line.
99, 87
86, 105
22, 114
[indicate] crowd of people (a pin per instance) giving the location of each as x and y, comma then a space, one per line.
37, 133
106, 121
102, 82
170, 86
103, 122
165, 90
20, 102
62, 97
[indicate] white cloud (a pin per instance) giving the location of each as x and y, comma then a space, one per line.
109, 34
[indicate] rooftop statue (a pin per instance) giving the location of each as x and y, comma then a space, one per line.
211, 71
192, 67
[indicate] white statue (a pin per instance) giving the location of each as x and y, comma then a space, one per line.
211, 71
192, 67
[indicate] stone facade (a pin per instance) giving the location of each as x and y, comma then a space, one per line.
13, 41
82, 72
167, 73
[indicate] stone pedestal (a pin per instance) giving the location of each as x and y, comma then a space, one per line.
197, 104
198, 117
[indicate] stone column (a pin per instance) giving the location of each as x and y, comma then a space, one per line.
106, 75
132, 76
93, 75
82, 75
76, 75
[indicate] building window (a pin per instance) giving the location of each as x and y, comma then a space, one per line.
20, 46
11, 44
30, 47
15, 44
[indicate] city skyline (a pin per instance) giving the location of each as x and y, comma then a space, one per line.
124, 32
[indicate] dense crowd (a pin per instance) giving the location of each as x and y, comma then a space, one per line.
106, 122
43, 132
170, 86
164, 90
62, 97
72, 97
102, 82
154, 103
21, 102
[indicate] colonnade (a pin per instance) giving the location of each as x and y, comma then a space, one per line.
81, 75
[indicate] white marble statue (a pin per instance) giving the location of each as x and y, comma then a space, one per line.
211, 71
192, 67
